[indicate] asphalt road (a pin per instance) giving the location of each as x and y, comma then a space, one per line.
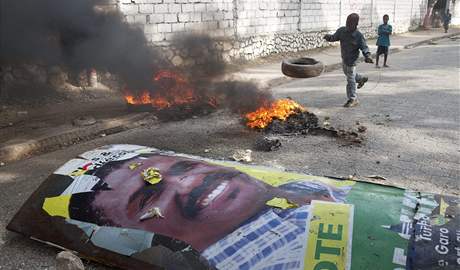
411, 111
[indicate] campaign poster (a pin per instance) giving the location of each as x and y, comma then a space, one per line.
137, 207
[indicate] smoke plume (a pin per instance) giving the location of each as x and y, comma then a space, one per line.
75, 35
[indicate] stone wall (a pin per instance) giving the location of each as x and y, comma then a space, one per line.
247, 29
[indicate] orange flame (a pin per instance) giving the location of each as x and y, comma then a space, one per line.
279, 109
177, 91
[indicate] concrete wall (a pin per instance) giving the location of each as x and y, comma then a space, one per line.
247, 29
455, 11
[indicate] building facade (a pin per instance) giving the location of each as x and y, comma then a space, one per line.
247, 29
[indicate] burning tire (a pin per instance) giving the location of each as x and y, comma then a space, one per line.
302, 67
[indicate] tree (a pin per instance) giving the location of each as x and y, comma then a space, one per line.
429, 13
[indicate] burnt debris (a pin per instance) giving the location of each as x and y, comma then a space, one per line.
307, 123
301, 121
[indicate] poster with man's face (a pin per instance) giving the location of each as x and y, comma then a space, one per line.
136, 207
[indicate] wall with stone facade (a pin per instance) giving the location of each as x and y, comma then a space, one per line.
247, 29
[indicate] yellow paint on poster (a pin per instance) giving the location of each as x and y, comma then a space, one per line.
443, 207
57, 206
281, 203
78, 172
329, 236
277, 177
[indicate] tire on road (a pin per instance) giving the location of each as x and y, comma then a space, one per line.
302, 67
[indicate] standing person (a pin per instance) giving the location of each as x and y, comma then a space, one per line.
446, 20
383, 42
351, 41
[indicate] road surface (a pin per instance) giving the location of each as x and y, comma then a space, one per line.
411, 111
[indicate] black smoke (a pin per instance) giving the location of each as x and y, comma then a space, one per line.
237, 96
76, 35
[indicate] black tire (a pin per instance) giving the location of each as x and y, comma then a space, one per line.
302, 67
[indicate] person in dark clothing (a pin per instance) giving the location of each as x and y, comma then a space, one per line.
351, 41
446, 20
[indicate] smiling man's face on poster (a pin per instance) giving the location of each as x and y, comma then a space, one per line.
137, 207
195, 201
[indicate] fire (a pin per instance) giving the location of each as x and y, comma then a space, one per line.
173, 90
279, 109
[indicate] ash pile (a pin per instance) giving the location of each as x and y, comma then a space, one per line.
300, 122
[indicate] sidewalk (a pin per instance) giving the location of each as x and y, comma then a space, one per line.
50, 128
269, 74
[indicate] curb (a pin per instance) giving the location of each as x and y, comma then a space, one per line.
415, 44
335, 66
19, 151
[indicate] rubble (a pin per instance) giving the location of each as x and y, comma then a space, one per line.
306, 123
267, 144
242, 155
66, 260
84, 121
362, 129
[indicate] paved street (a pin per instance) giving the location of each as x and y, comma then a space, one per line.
411, 111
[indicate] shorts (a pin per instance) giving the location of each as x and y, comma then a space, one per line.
382, 50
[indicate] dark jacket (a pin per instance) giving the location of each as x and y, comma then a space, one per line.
350, 44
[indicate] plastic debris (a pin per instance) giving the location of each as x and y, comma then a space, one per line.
2, 164
281, 203
134, 165
66, 260
154, 212
152, 175
207, 150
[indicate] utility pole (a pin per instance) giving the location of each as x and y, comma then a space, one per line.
447, 6
372, 13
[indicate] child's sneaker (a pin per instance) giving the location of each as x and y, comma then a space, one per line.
362, 82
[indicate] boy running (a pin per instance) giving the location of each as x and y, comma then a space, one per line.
351, 41
383, 42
